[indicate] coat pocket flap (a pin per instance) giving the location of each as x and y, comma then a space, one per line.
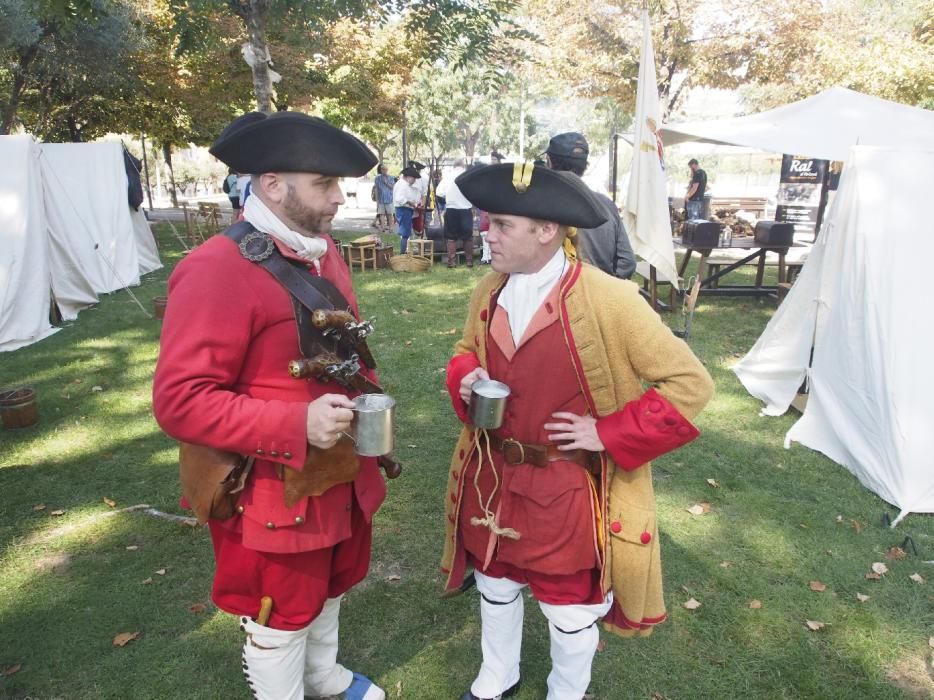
545, 486
264, 503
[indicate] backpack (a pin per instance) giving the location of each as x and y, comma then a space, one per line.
227, 185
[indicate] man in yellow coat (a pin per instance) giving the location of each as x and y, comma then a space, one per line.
559, 496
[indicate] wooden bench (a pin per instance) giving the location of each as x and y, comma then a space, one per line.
754, 205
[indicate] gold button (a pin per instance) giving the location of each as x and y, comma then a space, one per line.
287, 455
239, 509
299, 520
260, 451
273, 453
270, 526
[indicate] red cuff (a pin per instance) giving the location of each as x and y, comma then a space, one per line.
643, 430
458, 368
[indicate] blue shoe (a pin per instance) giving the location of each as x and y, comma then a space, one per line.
362, 688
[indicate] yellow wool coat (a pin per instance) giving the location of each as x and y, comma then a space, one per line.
619, 345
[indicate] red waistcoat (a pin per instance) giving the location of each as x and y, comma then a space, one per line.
552, 507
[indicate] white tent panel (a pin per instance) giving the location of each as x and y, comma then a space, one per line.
24, 265
862, 300
85, 195
145, 243
823, 126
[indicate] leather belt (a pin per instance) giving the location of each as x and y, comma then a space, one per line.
515, 452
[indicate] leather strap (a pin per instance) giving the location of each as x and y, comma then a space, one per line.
515, 452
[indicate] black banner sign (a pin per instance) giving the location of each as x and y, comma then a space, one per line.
800, 191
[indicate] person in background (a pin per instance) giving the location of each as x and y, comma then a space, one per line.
405, 198
422, 184
559, 497
694, 197
384, 184
458, 217
232, 188
436, 178
288, 551
606, 246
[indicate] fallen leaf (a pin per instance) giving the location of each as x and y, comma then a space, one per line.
803, 526
39, 506
725, 565
713, 483
132, 547
12, 669
917, 578
872, 576
75, 381
57, 512
111, 502
813, 625
862, 598
755, 604
97, 388
147, 581
856, 526
124, 638
412, 447
706, 506
880, 568
601, 645
893, 553
394, 577
699, 509
197, 608
817, 586
161, 572
839, 518
691, 604
407, 343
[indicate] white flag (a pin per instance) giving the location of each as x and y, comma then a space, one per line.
646, 212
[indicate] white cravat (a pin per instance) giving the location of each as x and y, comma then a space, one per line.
524, 293
310, 248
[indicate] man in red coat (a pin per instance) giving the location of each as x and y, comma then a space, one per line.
222, 381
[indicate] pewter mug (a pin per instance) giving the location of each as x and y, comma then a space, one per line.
373, 424
487, 403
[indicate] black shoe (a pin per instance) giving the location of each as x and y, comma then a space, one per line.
509, 692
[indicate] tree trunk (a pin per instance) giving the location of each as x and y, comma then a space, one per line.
16, 90
254, 14
74, 131
167, 156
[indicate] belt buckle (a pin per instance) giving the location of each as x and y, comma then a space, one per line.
509, 445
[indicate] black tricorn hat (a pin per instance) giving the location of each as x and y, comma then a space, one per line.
524, 189
291, 142
410, 172
415, 164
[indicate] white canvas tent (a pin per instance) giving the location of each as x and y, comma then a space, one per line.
25, 293
823, 126
860, 302
77, 215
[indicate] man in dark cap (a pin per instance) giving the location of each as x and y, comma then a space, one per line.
606, 246
558, 495
405, 197
298, 534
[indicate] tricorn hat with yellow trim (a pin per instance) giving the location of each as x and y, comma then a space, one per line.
524, 189
291, 142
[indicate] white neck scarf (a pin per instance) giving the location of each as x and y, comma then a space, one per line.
310, 248
524, 293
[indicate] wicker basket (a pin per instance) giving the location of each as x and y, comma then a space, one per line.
409, 263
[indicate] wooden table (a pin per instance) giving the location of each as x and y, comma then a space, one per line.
710, 285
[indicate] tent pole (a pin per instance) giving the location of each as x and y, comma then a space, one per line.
142, 138
615, 146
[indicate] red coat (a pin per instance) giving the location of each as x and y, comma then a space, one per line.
222, 381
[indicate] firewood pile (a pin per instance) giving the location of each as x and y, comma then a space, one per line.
741, 223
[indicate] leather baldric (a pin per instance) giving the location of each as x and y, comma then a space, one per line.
308, 292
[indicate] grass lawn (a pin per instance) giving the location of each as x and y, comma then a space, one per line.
779, 520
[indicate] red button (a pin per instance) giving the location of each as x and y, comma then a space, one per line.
684, 431
456, 474
483, 315
670, 420
453, 498
616, 526
476, 340
451, 519
645, 537
655, 406
461, 454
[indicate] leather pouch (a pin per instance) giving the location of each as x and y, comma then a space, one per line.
211, 480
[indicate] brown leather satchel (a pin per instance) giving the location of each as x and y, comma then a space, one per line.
211, 480
323, 469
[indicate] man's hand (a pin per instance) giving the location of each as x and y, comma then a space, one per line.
468, 381
578, 433
328, 416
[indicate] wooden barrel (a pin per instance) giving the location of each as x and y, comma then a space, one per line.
158, 306
18, 408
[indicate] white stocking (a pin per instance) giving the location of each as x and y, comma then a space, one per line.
273, 661
501, 610
323, 675
574, 637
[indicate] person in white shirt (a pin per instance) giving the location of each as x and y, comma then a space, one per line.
458, 217
405, 198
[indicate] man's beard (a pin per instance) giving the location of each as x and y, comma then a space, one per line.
309, 220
